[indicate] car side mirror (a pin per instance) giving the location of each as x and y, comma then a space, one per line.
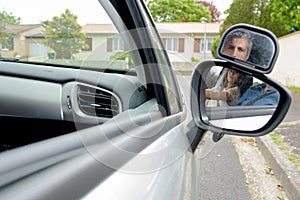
232, 95
249, 47
254, 112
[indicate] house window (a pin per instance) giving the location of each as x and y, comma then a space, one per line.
89, 43
118, 44
208, 45
9, 44
174, 44
115, 45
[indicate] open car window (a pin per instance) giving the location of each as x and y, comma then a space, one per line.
94, 37
63, 35
69, 69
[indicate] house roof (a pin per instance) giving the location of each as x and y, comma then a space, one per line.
290, 35
163, 27
10, 28
36, 34
99, 28
31, 30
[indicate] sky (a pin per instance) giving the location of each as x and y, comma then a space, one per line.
221, 5
34, 11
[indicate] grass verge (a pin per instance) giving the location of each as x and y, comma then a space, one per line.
294, 89
277, 140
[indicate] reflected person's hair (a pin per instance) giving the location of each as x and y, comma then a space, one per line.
262, 51
244, 81
239, 33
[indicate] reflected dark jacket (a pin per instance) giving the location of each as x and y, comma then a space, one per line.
256, 96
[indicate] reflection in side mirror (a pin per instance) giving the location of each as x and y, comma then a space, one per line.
256, 50
227, 100
235, 88
248, 97
231, 94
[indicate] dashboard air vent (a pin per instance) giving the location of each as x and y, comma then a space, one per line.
97, 102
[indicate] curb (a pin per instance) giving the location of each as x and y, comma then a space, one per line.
284, 170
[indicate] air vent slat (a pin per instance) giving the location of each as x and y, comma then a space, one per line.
97, 102
91, 110
98, 99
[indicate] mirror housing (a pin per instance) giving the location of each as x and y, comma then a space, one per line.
238, 117
259, 52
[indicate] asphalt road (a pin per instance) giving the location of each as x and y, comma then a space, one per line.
231, 169
221, 175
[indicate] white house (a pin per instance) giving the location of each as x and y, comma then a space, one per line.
185, 42
287, 68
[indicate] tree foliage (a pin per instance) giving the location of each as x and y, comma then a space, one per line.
5, 19
8, 18
64, 36
240, 11
263, 13
258, 13
264, 20
214, 46
177, 11
125, 55
287, 11
214, 12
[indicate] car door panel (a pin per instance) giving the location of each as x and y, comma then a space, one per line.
93, 154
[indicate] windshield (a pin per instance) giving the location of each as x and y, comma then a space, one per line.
62, 33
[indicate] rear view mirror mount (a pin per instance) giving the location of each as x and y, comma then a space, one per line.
259, 52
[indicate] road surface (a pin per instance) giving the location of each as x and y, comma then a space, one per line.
233, 168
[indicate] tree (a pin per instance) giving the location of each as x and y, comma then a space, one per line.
64, 36
9, 18
265, 20
240, 11
287, 11
178, 11
125, 55
214, 46
5, 19
214, 12
255, 12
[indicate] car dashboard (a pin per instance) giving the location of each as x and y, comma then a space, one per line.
39, 102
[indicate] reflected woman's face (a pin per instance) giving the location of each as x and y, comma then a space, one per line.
232, 76
238, 48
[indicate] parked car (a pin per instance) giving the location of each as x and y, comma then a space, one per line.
110, 121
